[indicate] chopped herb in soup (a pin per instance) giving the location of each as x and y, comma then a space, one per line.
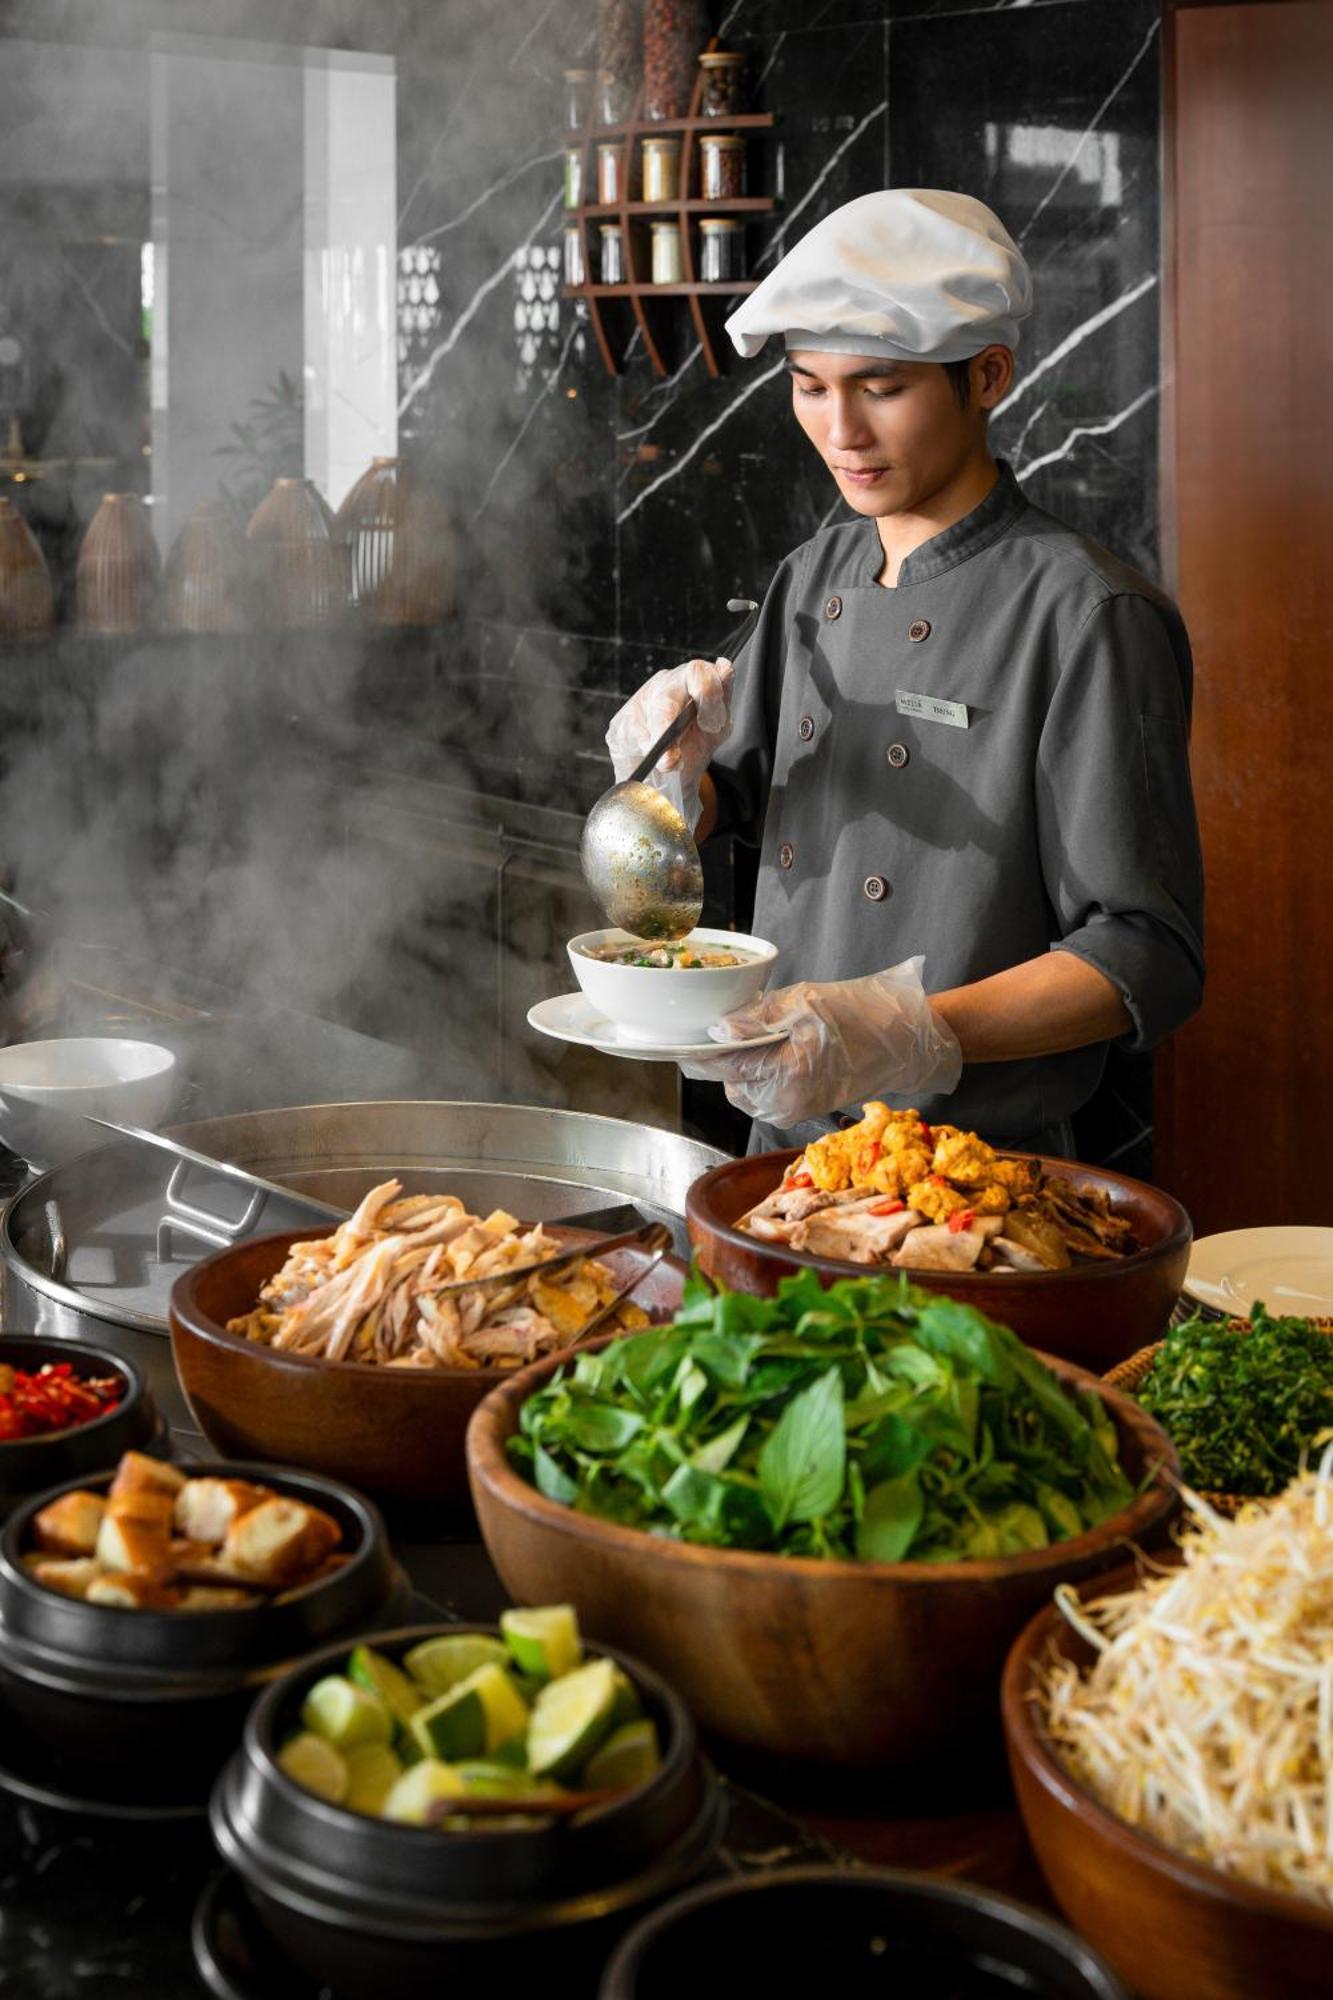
687, 956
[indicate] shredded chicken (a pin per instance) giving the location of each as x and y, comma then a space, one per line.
378, 1290
848, 1194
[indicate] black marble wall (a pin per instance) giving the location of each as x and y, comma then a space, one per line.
621, 514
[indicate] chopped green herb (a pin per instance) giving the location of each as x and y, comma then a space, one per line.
1241, 1407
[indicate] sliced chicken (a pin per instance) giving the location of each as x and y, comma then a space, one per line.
794, 1204
939, 1248
856, 1234
1016, 1256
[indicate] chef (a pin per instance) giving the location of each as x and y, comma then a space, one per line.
958, 734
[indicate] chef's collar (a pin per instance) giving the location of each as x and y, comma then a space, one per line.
962, 539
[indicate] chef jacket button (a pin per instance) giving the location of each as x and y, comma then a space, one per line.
876, 888
786, 854
805, 728
897, 754
919, 628
833, 609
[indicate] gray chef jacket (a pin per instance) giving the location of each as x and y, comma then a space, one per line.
1059, 818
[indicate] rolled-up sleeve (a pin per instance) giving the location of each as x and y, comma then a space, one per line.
1115, 812
742, 771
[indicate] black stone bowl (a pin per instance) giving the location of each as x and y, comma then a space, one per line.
860, 1934
163, 1694
32, 1465
369, 1907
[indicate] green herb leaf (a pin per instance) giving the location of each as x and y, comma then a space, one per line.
802, 1465
890, 1519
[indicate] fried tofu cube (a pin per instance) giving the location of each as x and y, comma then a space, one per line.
70, 1575
211, 1597
132, 1593
68, 1527
278, 1541
135, 1548
206, 1509
137, 1473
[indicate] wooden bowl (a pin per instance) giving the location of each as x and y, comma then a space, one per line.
1094, 1314
863, 1665
1175, 1929
397, 1433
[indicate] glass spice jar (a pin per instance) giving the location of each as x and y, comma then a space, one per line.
721, 165
576, 269
671, 40
721, 94
573, 176
578, 96
668, 268
721, 249
609, 160
661, 169
619, 57
613, 255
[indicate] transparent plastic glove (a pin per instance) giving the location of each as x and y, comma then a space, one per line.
847, 1040
636, 727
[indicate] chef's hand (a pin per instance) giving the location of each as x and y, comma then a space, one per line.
846, 1041
636, 727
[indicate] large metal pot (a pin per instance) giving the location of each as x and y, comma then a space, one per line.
91, 1250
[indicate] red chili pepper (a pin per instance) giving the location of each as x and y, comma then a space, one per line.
939, 1180
886, 1208
801, 1180
961, 1219
53, 1398
927, 1134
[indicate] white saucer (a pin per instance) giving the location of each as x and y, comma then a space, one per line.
571, 1017
1289, 1267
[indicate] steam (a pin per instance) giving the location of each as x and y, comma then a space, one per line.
306, 822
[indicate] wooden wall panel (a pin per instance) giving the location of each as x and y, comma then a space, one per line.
1245, 1092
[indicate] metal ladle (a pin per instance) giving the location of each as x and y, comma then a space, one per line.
639, 857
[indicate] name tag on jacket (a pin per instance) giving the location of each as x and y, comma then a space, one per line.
930, 708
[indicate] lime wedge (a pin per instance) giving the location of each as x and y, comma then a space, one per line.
490, 1780
344, 1714
439, 1664
628, 1707
545, 1642
378, 1676
572, 1718
472, 1719
372, 1773
419, 1789
314, 1764
628, 1757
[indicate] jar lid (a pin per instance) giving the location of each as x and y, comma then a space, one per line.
719, 225
664, 145
609, 228
578, 75
720, 139
720, 58
608, 145
674, 227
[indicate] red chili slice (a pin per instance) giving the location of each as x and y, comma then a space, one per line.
886, 1208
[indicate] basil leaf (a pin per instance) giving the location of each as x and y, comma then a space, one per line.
717, 1454
803, 1462
890, 1519
894, 1446
552, 1480
600, 1427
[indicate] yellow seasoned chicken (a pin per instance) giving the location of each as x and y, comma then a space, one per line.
962, 1156
936, 1200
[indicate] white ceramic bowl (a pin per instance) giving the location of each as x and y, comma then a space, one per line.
48, 1088
667, 1006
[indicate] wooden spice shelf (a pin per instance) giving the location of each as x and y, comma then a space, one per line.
648, 312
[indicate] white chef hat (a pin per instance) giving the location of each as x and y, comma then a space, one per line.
912, 274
